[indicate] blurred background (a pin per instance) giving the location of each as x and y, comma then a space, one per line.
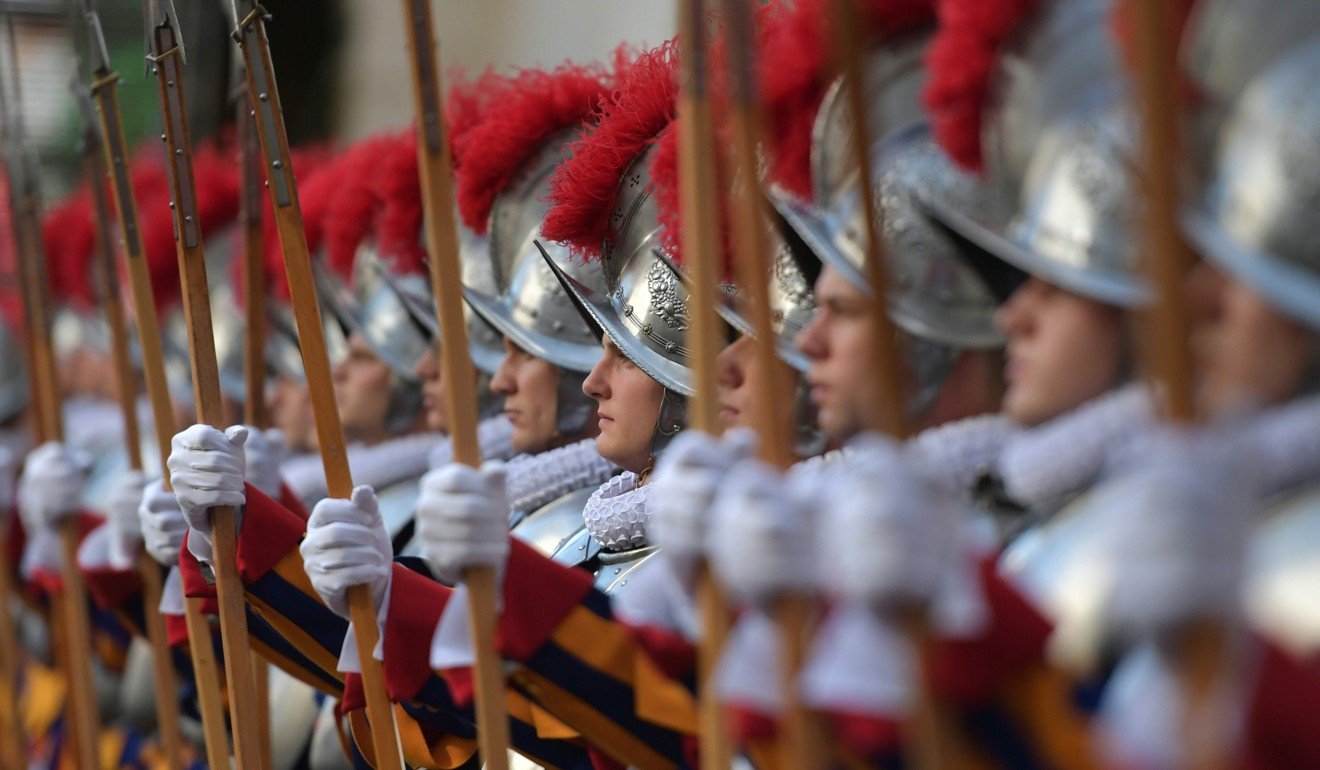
342, 65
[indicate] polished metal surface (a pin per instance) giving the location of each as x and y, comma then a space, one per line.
638, 301
531, 308
1256, 217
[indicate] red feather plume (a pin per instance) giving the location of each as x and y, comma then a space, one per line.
531, 107
151, 191
308, 161
352, 204
69, 234
583, 187
961, 61
399, 224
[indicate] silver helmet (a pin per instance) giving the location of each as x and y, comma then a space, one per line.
373, 310
417, 298
636, 298
1254, 217
1062, 146
228, 332
13, 380
935, 296
72, 329
1228, 42
377, 312
521, 298
528, 305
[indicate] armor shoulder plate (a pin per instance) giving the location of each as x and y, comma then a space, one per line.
1058, 565
616, 569
551, 526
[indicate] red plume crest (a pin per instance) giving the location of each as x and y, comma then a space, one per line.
583, 187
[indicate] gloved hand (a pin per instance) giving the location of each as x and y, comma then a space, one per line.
162, 522
1173, 527
894, 527
51, 486
462, 518
347, 545
760, 542
266, 453
121, 508
686, 480
206, 471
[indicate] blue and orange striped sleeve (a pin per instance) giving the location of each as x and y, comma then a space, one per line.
436, 727
597, 675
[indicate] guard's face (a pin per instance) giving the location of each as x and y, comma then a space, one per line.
530, 387
839, 342
435, 393
627, 405
1247, 355
1063, 350
291, 412
739, 379
362, 392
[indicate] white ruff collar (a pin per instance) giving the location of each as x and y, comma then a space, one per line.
617, 513
535, 480
1068, 453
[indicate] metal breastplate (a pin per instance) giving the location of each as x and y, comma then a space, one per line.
1282, 581
398, 503
616, 569
611, 568
1058, 565
549, 527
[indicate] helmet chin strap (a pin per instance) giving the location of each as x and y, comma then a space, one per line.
669, 422
808, 439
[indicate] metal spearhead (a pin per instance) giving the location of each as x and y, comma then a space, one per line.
97, 50
82, 96
160, 14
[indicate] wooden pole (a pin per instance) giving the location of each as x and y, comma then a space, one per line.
254, 350
698, 208
105, 91
800, 745
167, 705
22, 169
456, 369
167, 59
935, 741
251, 36
1203, 645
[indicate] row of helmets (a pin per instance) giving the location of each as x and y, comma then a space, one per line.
1035, 175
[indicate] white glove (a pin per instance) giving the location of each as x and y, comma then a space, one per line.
266, 453
760, 542
462, 518
121, 509
893, 529
1174, 531
206, 471
162, 522
347, 545
686, 480
51, 486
